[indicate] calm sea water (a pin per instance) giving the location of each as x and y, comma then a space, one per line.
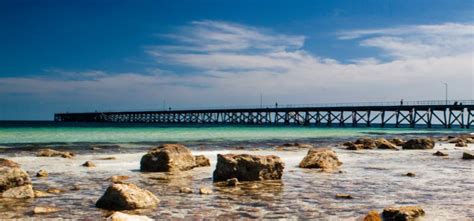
50, 132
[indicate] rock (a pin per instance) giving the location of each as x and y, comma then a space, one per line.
45, 210
88, 164
460, 144
25, 191
232, 182
54, 153
324, 159
347, 143
108, 158
367, 143
39, 193
419, 143
118, 179
246, 167
384, 144
14, 181
75, 187
185, 190
468, 156
410, 174
55, 190
204, 190
118, 216
402, 213
42, 173
372, 216
353, 146
397, 141
440, 154
126, 197
202, 161
344, 196
167, 158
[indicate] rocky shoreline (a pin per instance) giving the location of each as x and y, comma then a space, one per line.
242, 173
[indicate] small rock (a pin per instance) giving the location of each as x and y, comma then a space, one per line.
55, 190
402, 213
118, 179
20, 192
397, 141
353, 146
39, 193
204, 190
14, 181
118, 216
419, 143
42, 173
347, 143
108, 158
468, 156
372, 216
232, 182
410, 174
460, 144
202, 161
88, 164
75, 187
384, 144
324, 159
54, 153
344, 196
440, 154
367, 143
126, 197
45, 210
185, 190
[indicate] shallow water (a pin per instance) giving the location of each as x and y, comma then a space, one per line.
375, 178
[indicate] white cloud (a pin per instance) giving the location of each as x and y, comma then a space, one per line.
231, 64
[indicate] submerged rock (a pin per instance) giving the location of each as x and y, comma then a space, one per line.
402, 213
344, 196
108, 158
246, 167
14, 181
202, 161
468, 156
42, 173
324, 159
88, 164
118, 179
168, 158
45, 210
205, 190
440, 154
372, 216
119, 216
232, 182
126, 197
55, 190
185, 190
410, 174
419, 143
54, 153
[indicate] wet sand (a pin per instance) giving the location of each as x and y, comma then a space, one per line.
443, 186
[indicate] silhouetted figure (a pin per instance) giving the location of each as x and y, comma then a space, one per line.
169, 109
455, 103
276, 105
401, 102
460, 104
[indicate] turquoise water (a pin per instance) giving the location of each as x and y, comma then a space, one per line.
124, 134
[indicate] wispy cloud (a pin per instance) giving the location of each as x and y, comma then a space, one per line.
232, 64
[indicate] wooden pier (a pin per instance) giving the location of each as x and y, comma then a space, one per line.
447, 114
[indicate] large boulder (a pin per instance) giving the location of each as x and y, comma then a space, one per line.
372, 216
402, 213
128, 196
247, 167
419, 143
54, 153
324, 159
168, 158
14, 181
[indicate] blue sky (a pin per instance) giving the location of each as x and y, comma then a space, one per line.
116, 55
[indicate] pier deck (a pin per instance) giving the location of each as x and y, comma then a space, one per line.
447, 114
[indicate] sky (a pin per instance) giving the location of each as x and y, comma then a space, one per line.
77, 56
